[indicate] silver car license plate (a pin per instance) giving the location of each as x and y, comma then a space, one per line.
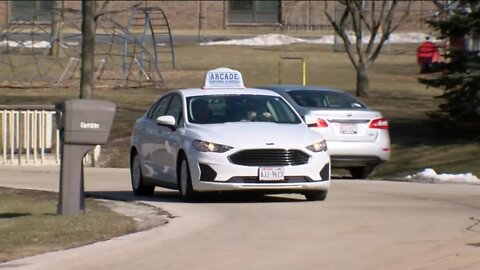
348, 129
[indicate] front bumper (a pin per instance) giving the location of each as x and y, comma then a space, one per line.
283, 187
214, 172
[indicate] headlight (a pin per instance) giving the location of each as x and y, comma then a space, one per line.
318, 147
203, 146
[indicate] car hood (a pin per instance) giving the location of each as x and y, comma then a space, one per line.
256, 134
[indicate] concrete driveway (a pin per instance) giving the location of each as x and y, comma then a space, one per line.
361, 225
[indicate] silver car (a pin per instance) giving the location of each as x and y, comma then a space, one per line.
357, 136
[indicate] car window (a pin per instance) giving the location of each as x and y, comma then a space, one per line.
175, 109
239, 108
159, 108
326, 99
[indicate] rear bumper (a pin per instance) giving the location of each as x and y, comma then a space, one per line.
358, 154
354, 161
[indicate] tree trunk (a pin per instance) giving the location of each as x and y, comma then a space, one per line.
88, 49
363, 85
56, 28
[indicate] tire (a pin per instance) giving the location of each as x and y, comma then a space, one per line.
361, 172
138, 182
316, 195
185, 182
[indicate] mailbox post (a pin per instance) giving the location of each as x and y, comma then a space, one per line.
83, 124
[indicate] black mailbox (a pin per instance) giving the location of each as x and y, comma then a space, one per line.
83, 124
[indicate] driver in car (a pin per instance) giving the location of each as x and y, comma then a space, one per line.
255, 115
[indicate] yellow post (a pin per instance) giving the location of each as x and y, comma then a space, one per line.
304, 71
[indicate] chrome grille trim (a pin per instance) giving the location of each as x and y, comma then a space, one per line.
270, 157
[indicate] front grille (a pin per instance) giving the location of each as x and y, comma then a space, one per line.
270, 157
254, 180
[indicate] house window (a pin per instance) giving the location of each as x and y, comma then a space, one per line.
31, 10
251, 11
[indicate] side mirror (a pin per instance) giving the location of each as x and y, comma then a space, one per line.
310, 120
166, 120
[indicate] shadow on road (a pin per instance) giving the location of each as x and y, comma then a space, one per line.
167, 196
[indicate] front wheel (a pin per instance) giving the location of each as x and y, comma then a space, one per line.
138, 182
185, 182
316, 195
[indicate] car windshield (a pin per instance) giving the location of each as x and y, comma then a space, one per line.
212, 109
326, 99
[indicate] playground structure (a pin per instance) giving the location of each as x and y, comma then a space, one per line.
125, 55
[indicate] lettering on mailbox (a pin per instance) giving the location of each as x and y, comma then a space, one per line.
89, 125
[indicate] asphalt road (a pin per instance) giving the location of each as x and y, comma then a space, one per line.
361, 225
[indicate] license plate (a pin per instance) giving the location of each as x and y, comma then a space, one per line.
348, 129
270, 174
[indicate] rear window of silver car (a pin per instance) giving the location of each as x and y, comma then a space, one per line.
325, 99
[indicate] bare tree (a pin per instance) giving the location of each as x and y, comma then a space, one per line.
377, 21
88, 49
57, 20
89, 19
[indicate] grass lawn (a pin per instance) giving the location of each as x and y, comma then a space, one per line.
30, 225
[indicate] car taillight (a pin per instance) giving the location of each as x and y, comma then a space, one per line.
320, 123
380, 123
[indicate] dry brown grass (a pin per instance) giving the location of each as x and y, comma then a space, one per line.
29, 224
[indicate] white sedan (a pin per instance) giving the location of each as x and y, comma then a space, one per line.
357, 136
225, 137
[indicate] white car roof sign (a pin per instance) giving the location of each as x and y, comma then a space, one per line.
223, 78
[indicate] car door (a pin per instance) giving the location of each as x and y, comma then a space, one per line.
149, 146
167, 143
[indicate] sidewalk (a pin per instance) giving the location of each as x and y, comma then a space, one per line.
48, 178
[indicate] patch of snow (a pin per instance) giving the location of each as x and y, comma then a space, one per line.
262, 40
430, 176
38, 44
279, 39
26, 44
9, 43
